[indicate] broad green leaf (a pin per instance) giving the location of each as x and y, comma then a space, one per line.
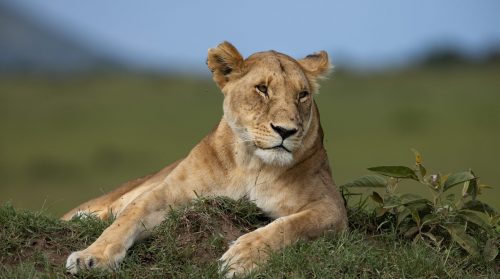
402, 216
377, 198
409, 198
436, 239
419, 209
457, 178
459, 235
415, 216
380, 211
450, 199
472, 217
430, 219
367, 181
413, 210
495, 220
392, 201
472, 188
395, 171
442, 179
479, 207
422, 170
490, 251
411, 232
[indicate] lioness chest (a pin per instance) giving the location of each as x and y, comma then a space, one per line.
267, 190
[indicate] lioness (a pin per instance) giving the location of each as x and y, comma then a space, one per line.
268, 147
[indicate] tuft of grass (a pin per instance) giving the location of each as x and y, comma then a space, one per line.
33, 244
191, 239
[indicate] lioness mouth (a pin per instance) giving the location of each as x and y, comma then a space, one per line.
281, 146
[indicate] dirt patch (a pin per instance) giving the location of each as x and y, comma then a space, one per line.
201, 233
41, 250
230, 232
205, 234
196, 235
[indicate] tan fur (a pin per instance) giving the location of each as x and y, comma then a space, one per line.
241, 157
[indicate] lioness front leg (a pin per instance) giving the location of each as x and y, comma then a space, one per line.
253, 248
135, 222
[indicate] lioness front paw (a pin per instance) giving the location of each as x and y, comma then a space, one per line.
86, 260
243, 256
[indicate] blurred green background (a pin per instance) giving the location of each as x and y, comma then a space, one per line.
65, 140
94, 93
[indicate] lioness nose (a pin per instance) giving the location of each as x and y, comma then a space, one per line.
283, 132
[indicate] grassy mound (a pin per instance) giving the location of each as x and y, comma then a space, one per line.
190, 240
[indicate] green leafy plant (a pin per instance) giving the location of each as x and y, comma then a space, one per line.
442, 218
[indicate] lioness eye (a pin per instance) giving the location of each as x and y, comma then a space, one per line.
262, 89
303, 94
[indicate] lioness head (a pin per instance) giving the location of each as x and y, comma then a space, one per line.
268, 98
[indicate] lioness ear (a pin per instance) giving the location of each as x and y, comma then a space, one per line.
225, 62
317, 64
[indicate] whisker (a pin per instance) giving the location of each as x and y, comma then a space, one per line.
241, 141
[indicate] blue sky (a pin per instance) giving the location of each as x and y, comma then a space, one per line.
364, 32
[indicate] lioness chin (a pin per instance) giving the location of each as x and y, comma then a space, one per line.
268, 147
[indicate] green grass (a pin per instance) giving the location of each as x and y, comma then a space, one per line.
189, 242
64, 140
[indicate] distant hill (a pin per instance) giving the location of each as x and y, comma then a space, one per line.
28, 45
